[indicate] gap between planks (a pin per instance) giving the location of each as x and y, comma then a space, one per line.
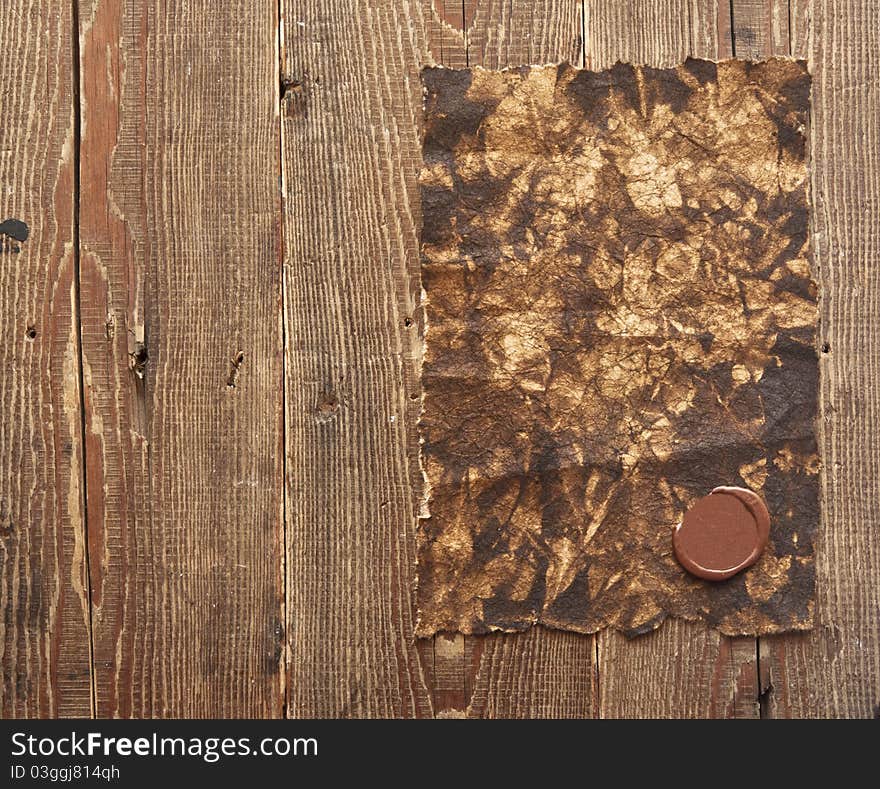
76, 93
282, 246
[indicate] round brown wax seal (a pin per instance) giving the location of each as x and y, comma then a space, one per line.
722, 533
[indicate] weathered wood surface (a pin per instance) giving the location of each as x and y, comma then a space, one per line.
350, 152
545, 673
684, 669
502, 33
250, 361
760, 28
44, 629
180, 278
835, 670
650, 32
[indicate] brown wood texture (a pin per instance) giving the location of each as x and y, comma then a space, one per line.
502, 33
680, 671
760, 28
44, 630
544, 673
180, 279
350, 138
834, 671
446, 31
650, 32
684, 669
241, 513
799, 13
539, 674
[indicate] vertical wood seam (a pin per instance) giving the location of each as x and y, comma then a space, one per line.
732, 31
584, 65
76, 99
284, 635
465, 35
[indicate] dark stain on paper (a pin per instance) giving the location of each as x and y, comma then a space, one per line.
620, 318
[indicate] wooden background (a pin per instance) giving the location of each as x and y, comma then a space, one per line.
209, 384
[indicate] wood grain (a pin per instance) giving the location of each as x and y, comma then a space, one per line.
679, 671
445, 32
542, 673
449, 680
643, 677
177, 242
502, 33
760, 28
350, 162
180, 279
799, 14
834, 671
649, 32
724, 15
44, 630
538, 674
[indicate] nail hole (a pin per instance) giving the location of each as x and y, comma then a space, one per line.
414, 396
826, 347
138, 360
31, 333
236, 363
407, 322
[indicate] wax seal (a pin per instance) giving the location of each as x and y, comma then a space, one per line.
722, 533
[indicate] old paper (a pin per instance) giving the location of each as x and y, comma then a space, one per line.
620, 317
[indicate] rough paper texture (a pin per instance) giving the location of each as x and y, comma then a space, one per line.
620, 317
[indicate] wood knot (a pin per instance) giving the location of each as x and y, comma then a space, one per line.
328, 406
293, 95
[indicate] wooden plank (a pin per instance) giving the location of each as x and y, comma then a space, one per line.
352, 417
44, 630
180, 275
760, 28
445, 32
649, 32
680, 671
706, 35
503, 33
351, 154
542, 673
643, 677
449, 681
799, 12
724, 15
538, 674
834, 671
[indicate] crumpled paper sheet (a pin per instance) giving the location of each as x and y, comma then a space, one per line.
619, 317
